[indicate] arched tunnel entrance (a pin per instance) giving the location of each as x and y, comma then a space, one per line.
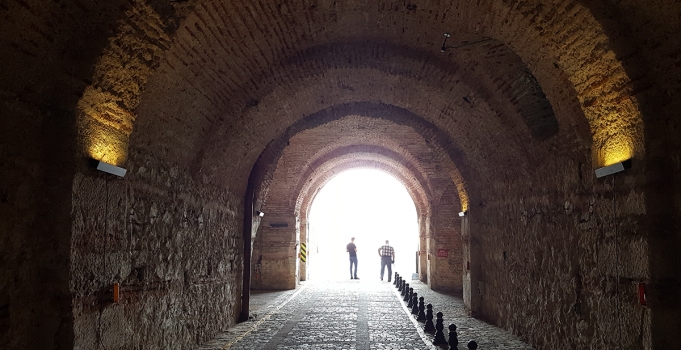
291, 173
221, 111
371, 206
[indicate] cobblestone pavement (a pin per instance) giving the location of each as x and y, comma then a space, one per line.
353, 315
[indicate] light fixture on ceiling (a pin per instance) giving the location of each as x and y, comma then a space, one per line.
447, 35
107, 168
613, 168
444, 48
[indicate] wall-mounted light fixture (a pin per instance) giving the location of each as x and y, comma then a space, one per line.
259, 213
107, 168
613, 168
463, 213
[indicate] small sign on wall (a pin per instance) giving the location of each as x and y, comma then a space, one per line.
442, 253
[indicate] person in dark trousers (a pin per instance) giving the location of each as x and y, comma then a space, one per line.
387, 254
352, 249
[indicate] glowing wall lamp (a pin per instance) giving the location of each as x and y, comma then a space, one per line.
259, 213
463, 213
613, 169
107, 168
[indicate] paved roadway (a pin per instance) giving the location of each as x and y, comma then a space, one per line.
353, 315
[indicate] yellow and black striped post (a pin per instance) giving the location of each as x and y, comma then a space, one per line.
303, 252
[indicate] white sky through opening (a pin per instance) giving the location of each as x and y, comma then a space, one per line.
371, 206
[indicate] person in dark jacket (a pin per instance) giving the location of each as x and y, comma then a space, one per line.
352, 250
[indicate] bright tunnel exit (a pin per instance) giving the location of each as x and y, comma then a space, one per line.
371, 206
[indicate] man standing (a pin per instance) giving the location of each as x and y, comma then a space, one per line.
387, 254
352, 249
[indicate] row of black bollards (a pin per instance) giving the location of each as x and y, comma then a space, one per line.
425, 314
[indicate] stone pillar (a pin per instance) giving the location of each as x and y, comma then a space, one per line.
471, 266
280, 247
303, 227
424, 224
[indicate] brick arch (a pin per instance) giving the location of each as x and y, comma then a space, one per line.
367, 72
502, 18
184, 40
187, 66
379, 109
514, 95
286, 194
176, 56
50, 56
263, 170
350, 159
339, 160
508, 23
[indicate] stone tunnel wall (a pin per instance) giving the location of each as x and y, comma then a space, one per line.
444, 246
317, 154
275, 256
36, 170
275, 248
550, 258
174, 245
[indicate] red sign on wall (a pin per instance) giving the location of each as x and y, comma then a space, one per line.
442, 253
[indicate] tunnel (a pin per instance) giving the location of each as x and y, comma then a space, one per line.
537, 139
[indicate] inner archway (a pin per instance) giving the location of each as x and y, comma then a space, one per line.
371, 206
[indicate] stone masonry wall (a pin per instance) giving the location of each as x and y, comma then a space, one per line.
314, 155
36, 165
174, 245
445, 272
275, 255
547, 243
551, 260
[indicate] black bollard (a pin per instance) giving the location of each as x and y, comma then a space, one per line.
405, 292
396, 275
408, 297
453, 338
422, 315
429, 327
404, 284
472, 345
415, 305
400, 286
439, 334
